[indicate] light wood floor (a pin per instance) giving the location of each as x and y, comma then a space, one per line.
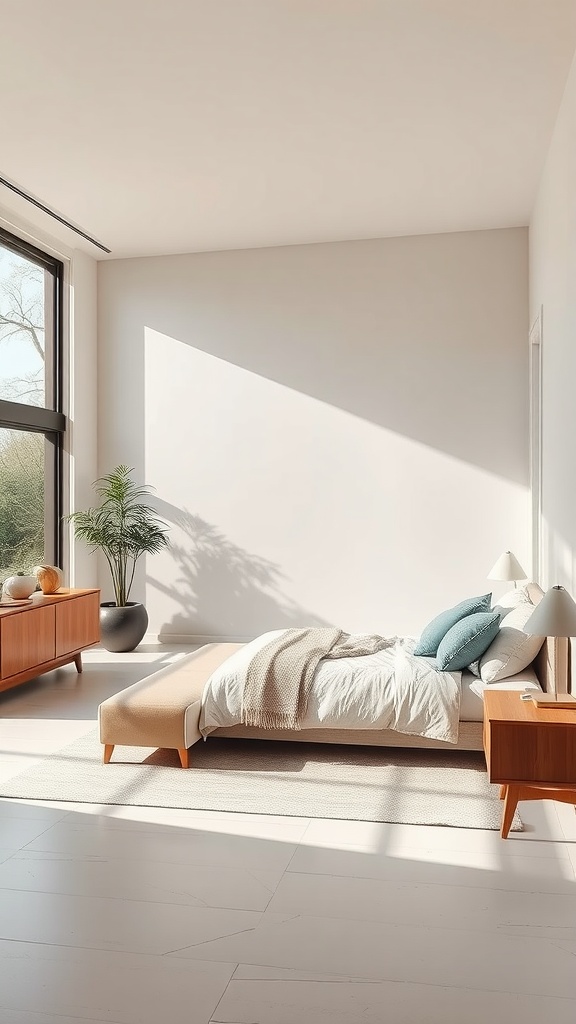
138, 916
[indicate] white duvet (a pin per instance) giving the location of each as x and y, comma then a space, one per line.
389, 690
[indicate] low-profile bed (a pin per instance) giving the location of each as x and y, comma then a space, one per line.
539, 675
351, 696
423, 713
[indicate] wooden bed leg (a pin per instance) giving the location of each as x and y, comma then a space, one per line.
184, 756
503, 792
108, 748
78, 662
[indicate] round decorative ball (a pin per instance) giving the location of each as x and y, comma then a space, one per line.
20, 587
50, 578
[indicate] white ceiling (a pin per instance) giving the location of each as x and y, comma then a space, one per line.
181, 125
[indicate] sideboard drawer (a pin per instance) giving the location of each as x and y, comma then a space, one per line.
26, 640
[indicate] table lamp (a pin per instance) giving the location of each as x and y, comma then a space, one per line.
555, 616
507, 568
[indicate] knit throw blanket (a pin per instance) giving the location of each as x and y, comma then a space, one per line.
279, 676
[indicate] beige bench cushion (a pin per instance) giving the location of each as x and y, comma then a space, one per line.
164, 709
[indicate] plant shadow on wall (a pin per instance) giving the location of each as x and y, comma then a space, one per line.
221, 587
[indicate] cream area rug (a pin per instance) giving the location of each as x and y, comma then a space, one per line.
420, 787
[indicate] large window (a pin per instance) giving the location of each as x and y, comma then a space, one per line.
31, 421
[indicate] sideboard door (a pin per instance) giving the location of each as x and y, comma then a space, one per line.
77, 623
28, 639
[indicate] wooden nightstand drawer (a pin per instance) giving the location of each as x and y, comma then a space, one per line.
531, 752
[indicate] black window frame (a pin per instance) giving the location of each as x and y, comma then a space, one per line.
31, 418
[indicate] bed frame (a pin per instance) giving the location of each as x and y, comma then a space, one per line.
548, 671
552, 668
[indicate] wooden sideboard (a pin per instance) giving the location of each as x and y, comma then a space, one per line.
46, 632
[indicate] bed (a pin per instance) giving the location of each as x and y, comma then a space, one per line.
171, 709
542, 673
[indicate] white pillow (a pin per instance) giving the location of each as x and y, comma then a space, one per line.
511, 599
522, 681
512, 650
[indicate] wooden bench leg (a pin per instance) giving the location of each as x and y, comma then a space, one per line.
78, 662
510, 802
184, 757
108, 748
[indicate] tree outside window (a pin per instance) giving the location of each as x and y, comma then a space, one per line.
28, 333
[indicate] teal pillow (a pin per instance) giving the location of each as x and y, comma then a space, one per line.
467, 641
429, 642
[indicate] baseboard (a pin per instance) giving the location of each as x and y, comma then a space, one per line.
194, 639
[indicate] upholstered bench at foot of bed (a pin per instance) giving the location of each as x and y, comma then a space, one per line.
162, 710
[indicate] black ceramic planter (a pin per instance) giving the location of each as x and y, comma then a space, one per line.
121, 629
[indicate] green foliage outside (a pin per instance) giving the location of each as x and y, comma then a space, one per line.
21, 501
21, 380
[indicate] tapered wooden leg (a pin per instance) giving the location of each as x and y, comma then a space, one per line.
503, 791
510, 802
78, 662
184, 757
108, 748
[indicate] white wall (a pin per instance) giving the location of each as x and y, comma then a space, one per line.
553, 286
337, 433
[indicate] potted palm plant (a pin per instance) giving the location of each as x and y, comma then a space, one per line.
123, 526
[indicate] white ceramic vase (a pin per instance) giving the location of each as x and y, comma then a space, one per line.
20, 587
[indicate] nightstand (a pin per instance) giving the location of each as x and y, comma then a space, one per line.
530, 751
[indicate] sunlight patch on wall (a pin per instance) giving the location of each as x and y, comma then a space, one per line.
309, 513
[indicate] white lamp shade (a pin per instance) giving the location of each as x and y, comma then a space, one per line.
507, 568
554, 616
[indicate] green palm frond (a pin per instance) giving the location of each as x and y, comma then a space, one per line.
124, 527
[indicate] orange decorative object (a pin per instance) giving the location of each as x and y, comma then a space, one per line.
50, 578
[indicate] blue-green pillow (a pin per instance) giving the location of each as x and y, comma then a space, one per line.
436, 630
467, 641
